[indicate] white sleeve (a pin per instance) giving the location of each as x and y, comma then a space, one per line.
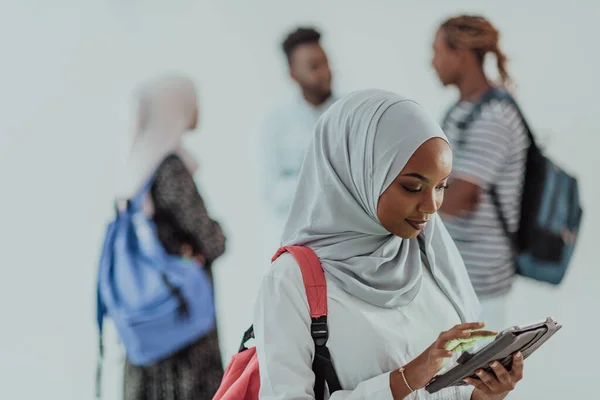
374, 389
277, 187
377, 388
465, 392
284, 345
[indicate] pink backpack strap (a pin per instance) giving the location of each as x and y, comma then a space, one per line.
316, 293
312, 275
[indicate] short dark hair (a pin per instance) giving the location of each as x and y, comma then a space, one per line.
299, 37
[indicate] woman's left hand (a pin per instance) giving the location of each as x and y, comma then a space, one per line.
187, 252
200, 259
490, 387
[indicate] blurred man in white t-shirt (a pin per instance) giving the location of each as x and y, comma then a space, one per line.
289, 128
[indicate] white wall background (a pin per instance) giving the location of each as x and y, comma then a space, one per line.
67, 71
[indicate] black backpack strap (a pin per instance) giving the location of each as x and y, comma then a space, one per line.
249, 334
324, 373
511, 236
183, 309
503, 95
100, 313
322, 364
494, 94
99, 362
491, 94
447, 116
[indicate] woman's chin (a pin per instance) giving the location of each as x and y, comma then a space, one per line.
406, 233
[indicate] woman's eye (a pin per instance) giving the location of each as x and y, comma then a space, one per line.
412, 189
443, 187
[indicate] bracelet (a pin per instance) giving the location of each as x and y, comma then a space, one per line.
401, 370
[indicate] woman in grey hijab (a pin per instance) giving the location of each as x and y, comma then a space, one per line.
366, 202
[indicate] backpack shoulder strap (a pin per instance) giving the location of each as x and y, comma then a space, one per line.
504, 95
449, 112
138, 198
316, 293
463, 125
313, 277
494, 94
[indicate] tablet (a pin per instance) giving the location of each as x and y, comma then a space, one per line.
526, 339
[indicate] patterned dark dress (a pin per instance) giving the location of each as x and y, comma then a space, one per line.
195, 372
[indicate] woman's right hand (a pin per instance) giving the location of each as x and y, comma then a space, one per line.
422, 369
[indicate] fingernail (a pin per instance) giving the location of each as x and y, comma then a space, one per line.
519, 355
479, 372
494, 364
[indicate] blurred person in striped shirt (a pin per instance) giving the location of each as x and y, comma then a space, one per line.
490, 152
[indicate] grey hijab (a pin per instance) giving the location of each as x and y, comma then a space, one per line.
360, 146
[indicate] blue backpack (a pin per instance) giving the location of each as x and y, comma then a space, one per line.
159, 303
550, 207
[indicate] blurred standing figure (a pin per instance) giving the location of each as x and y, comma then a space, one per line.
491, 151
289, 128
168, 109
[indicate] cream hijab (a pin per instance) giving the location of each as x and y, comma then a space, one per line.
166, 109
360, 146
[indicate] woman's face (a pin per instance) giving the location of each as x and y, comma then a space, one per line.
194, 120
418, 191
446, 61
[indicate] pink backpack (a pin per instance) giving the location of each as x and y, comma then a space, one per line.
242, 381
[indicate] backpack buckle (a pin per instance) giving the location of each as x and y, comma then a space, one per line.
319, 330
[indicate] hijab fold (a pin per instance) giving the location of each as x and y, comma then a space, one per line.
360, 146
166, 110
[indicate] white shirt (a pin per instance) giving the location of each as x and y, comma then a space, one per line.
286, 135
366, 342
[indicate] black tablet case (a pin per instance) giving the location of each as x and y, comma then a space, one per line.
525, 339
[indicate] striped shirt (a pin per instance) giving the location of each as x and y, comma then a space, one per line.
493, 151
